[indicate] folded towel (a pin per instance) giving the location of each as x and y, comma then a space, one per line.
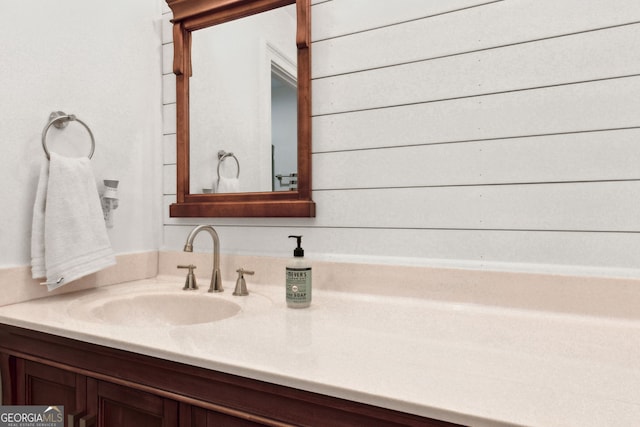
228, 185
69, 237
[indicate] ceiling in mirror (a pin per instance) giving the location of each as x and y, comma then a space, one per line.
243, 108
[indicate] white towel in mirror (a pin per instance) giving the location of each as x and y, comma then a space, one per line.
228, 185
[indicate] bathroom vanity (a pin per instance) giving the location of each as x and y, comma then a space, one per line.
147, 353
108, 387
105, 355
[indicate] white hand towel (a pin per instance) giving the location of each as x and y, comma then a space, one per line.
228, 185
69, 238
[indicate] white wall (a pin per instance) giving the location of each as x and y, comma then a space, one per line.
100, 61
468, 133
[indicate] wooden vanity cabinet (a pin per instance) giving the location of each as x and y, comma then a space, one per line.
45, 385
105, 387
117, 405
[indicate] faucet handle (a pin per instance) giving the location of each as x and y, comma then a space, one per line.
190, 283
242, 271
241, 284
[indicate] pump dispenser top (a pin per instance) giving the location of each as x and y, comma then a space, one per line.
298, 252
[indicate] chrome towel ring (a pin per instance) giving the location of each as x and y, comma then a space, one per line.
60, 120
222, 155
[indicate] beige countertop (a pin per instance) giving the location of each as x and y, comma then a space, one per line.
465, 363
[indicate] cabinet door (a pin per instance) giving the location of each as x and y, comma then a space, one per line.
119, 406
40, 384
208, 418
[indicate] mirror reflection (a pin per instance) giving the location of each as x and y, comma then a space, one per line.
243, 105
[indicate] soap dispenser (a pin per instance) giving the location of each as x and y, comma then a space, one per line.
298, 278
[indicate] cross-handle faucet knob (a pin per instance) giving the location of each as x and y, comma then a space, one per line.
190, 283
241, 284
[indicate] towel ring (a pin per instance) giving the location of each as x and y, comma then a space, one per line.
222, 155
60, 120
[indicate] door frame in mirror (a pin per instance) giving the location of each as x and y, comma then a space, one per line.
192, 15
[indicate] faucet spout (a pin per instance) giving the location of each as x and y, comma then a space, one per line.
216, 279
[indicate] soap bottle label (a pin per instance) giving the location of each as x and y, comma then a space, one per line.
299, 285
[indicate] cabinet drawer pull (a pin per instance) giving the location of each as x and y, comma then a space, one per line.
88, 421
73, 418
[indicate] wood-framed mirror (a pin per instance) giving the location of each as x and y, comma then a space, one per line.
290, 191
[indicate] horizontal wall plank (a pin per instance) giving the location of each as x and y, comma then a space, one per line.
582, 57
602, 206
169, 118
496, 24
340, 17
612, 155
168, 89
167, 27
598, 206
169, 179
167, 58
607, 254
169, 148
599, 105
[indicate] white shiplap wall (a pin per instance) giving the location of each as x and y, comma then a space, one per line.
494, 134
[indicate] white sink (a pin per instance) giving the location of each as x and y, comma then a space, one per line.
158, 309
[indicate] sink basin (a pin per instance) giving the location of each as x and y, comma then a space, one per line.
162, 310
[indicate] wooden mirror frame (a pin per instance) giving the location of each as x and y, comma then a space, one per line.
192, 15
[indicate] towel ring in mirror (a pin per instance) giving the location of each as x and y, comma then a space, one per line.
222, 156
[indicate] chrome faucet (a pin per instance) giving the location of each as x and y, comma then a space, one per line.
216, 279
